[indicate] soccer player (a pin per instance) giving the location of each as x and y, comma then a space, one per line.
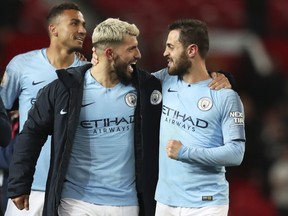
201, 130
28, 72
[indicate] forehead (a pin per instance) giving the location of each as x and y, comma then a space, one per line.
70, 15
173, 36
129, 40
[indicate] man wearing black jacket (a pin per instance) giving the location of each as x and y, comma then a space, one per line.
84, 122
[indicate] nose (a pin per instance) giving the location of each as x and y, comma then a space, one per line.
82, 29
165, 54
138, 54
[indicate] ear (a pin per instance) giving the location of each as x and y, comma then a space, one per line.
192, 50
53, 30
109, 53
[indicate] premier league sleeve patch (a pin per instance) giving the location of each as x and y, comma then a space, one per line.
156, 97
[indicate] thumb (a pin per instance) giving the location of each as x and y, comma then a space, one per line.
214, 75
26, 203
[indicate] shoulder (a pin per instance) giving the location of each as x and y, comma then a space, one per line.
225, 93
81, 63
56, 87
22, 60
226, 97
161, 74
26, 55
73, 76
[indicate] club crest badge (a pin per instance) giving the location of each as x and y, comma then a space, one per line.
156, 97
205, 104
131, 99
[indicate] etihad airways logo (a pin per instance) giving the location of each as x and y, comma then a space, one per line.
107, 122
108, 125
182, 120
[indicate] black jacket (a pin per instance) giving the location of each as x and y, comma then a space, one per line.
5, 126
65, 94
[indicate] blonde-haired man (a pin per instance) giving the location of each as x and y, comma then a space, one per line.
100, 165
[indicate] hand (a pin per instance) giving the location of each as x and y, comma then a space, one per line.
21, 202
81, 56
219, 81
94, 59
172, 148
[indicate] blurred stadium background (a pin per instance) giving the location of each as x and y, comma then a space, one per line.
249, 38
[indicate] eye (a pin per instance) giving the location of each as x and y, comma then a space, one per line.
169, 46
75, 22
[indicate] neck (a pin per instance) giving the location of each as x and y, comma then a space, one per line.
103, 75
196, 73
60, 58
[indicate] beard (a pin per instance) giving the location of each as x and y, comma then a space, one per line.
181, 66
120, 68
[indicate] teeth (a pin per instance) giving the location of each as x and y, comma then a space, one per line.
130, 68
79, 38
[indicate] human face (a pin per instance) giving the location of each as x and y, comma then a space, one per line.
70, 30
126, 54
178, 61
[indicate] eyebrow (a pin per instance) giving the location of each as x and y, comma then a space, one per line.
169, 45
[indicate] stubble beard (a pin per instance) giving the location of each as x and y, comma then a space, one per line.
121, 71
181, 66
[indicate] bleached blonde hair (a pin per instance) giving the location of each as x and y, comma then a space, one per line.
112, 31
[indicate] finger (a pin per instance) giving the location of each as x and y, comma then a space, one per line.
18, 204
214, 75
213, 84
168, 151
223, 85
220, 83
219, 86
26, 204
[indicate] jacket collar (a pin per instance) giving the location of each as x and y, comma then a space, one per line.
73, 77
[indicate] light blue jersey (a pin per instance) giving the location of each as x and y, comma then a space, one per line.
210, 125
24, 76
101, 168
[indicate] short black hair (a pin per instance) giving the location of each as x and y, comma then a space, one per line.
192, 31
58, 9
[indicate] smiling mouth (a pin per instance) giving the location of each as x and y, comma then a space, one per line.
130, 68
81, 39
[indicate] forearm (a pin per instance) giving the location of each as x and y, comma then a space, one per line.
230, 154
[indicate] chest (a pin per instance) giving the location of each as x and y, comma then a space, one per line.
109, 105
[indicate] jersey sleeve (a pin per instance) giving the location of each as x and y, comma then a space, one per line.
29, 143
231, 151
11, 84
161, 74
